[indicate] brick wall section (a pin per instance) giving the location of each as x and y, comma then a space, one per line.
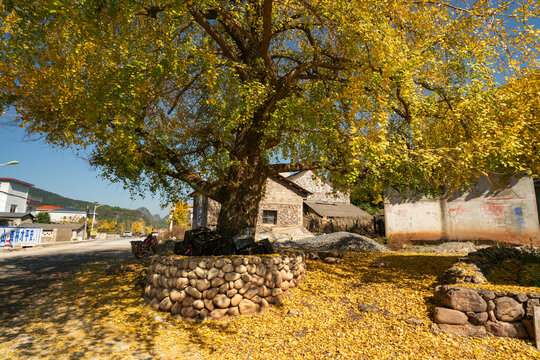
321, 191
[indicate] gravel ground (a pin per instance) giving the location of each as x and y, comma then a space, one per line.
452, 247
339, 241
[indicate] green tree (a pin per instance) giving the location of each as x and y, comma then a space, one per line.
219, 95
43, 218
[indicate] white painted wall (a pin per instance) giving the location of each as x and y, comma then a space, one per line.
13, 193
507, 215
63, 216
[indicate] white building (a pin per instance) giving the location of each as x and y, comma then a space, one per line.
13, 195
60, 215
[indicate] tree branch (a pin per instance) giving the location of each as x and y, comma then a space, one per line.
201, 20
267, 37
236, 24
182, 91
297, 166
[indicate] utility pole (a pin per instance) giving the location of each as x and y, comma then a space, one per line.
94, 217
171, 216
86, 224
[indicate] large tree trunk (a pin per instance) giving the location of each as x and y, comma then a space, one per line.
240, 204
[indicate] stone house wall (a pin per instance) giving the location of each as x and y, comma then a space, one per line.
287, 201
320, 191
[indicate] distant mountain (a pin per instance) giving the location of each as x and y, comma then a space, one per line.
148, 214
48, 198
120, 215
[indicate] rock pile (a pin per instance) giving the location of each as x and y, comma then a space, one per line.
476, 265
214, 288
329, 257
338, 241
469, 312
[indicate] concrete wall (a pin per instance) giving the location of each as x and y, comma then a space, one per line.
64, 216
62, 234
507, 215
13, 193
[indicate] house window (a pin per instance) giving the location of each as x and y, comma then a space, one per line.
270, 217
13, 209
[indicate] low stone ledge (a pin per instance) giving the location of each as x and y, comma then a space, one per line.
470, 312
476, 265
214, 288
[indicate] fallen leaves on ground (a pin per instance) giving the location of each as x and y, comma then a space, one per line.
345, 311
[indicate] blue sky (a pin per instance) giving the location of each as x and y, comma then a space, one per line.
62, 172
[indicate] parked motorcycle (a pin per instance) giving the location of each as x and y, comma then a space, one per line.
140, 248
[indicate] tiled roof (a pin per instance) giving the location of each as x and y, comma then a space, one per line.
59, 209
58, 226
336, 210
48, 207
10, 215
287, 181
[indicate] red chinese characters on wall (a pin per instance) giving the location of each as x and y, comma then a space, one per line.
493, 213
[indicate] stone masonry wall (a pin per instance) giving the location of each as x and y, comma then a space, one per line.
320, 190
215, 288
470, 312
286, 214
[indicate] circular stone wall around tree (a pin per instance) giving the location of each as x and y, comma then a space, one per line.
218, 287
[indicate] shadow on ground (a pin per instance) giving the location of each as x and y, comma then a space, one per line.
24, 276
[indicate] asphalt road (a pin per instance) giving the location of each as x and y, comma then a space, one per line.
28, 271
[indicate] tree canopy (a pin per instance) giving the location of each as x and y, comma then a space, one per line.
218, 95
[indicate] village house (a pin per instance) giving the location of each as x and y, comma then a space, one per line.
13, 198
282, 205
59, 214
15, 219
61, 232
324, 201
509, 214
13, 195
287, 199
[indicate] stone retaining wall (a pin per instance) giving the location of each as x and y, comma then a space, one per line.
476, 265
214, 288
471, 312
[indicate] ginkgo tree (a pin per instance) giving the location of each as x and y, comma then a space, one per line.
179, 214
219, 95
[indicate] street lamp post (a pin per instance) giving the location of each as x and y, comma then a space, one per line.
10, 163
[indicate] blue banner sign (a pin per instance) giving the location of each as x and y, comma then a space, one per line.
18, 236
